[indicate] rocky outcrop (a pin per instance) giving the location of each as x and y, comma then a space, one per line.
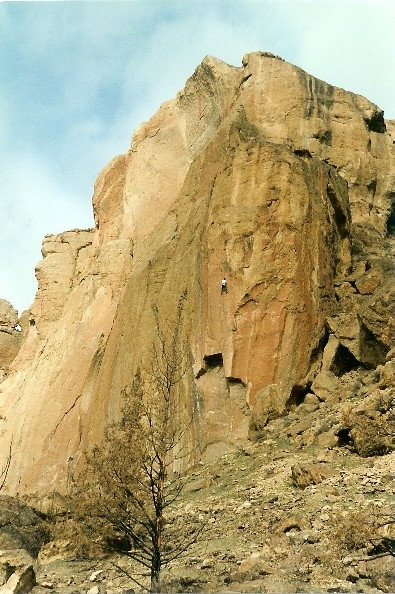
21, 527
23, 531
313, 474
262, 174
17, 575
10, 336
65, 256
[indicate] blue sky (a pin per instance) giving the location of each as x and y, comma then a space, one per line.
76, 78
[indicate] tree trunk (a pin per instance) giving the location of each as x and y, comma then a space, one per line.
155, 572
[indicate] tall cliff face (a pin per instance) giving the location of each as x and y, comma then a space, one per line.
262, 174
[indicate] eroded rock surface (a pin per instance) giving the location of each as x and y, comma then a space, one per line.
10, 336
262, 174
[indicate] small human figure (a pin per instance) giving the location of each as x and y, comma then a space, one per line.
224, 286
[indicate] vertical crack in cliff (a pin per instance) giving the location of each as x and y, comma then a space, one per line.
391, 217
318, 350
339, 215
66, 413
310, 97
91, 376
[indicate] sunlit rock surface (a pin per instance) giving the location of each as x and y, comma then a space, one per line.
262, 174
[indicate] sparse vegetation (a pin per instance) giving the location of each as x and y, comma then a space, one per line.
122, 499
364, 530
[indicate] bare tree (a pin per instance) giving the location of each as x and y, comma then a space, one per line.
133, 479
5, 469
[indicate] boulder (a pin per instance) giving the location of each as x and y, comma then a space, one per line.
269, 404
20, 526
304, 475
386, 375
16, 571
253, 568
21, 581
299, 427
369, 282
16, 558
289, 524
311, 400
326, 386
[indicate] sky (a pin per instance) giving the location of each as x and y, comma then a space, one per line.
77, 77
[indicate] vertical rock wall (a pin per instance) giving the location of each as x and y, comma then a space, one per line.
263, 174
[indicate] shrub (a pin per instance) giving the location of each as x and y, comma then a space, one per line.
362, 529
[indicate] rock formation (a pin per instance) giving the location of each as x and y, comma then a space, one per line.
10, 336
262, 174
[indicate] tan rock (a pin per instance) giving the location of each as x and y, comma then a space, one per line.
19, 571
327, 440
269, 405
17, 558
299, 427
254, 567
24, 321
289, 523
21, 581
10, 336
8, 314
387, 375
369, 282
311, 399
55, 550
309, 474
10, 343
263, 174
326, 386
56, 274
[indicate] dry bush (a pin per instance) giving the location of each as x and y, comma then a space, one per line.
362, 530
352, 532
73, 538
368, 437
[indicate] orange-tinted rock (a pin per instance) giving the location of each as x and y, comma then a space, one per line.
261, 174
369, 282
